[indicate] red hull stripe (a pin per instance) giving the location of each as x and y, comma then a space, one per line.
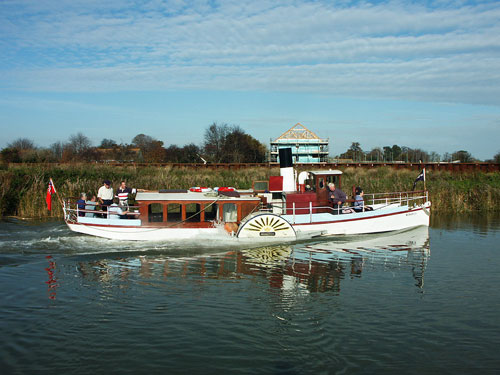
318, 223
134, 226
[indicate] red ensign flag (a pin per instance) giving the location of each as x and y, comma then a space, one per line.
51, 190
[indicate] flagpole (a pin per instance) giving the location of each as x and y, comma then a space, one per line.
425, 188
60, 200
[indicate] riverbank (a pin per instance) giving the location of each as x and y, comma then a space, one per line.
23, 188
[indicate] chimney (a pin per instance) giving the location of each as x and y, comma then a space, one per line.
286, 169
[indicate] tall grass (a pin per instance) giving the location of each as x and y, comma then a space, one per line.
23, 188
449, 191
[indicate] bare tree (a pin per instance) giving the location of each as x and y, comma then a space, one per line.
434, 157
79, 143
215, 141
57, 150
22, 144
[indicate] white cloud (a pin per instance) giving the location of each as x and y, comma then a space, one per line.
442, 52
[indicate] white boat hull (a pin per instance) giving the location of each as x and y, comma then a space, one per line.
391, 218
378, 221
148, 233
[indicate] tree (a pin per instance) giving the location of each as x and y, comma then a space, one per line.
230, 144
144, 142
256, 152
108, 143
154, 153
57, 150
496, 158
190, 154
215, 142
418, 155
22, 144
355, 152
405, 151
10, 155
388, 155
396, 152
173, 154
434, 157
79, 143
463, 156
45, 155
375, 154
356, 147
25, 150
243, 148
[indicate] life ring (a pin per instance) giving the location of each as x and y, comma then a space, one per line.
198, 189
224, 188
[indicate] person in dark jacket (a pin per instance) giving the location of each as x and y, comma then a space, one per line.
336, 197
81, 204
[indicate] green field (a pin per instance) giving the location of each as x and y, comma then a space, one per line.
23, 187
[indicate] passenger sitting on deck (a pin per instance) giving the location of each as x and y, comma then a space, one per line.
81, 204
336, 197
114, 210
91, 206
359, 203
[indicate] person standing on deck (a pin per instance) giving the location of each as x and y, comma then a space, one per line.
105, 195
123, 194
336, 197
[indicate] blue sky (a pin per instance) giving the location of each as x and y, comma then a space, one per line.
421, 74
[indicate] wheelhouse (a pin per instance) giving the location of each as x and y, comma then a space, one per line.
313, 190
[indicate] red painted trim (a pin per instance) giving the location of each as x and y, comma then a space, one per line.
138, 226
207, 227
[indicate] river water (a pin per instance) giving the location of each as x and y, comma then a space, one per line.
420, 301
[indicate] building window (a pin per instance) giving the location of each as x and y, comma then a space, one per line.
332, 179
230, 213
193, 212
174, 212
155, 213
211, 212
321, 183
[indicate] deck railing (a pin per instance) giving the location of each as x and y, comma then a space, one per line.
376, 201
72, 211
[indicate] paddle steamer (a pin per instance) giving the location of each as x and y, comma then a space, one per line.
285, 208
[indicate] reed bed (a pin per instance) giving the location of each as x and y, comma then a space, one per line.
23, 188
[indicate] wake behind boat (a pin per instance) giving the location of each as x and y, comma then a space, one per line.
285, 208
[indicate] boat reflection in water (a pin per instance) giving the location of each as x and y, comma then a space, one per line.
297, 268
322, 265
